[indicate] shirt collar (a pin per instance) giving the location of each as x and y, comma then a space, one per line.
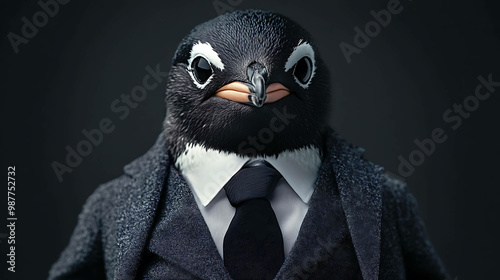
207, 170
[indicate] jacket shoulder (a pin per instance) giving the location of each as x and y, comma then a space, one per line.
83, 256
395, 192
107, 192
393, 185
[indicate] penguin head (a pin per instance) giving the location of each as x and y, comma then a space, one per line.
247, 82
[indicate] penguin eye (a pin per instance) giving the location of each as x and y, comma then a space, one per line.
201, 69
302, 63
303, 70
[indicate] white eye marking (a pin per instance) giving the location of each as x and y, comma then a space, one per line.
300, 51
206, 51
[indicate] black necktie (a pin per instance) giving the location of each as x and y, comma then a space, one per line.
253, 244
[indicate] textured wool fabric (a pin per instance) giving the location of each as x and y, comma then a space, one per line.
180, 246
117, 222
320, 257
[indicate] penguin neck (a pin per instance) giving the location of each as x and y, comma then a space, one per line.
194, 155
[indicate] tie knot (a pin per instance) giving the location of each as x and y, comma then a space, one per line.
256, 179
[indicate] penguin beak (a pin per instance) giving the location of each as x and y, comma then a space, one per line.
255, 93
240, 92
256, 73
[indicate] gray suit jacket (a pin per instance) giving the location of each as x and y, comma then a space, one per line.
117, 220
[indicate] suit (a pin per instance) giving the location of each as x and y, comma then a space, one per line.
359, 220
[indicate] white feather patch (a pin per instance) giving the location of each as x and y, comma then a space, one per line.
206, 51
300, 51
197, 155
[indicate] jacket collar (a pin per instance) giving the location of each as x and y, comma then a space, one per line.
358, 181
360, 185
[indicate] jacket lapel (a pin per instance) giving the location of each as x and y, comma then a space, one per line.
359, 182
359, 188
321, 232
182, 237
136, 207
187, 238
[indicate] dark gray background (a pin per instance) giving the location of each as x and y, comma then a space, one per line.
393, 92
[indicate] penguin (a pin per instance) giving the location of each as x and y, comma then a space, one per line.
244, 87
233, 74
248, 85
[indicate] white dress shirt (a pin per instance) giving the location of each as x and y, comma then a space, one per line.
207, 171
